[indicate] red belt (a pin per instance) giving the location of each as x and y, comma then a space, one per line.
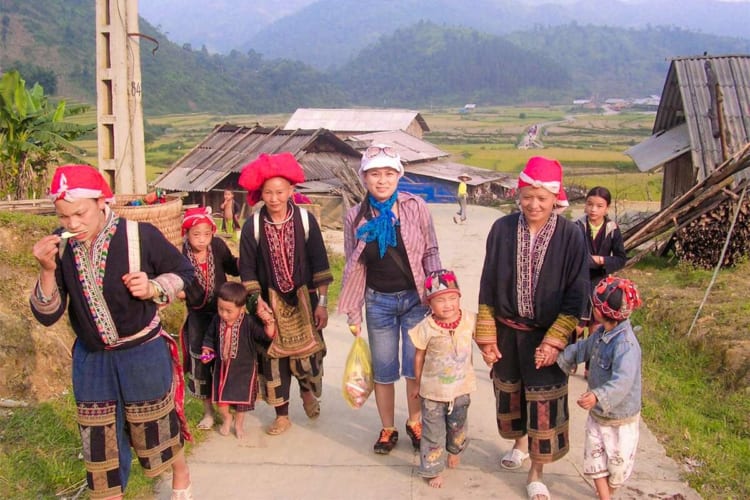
515, 324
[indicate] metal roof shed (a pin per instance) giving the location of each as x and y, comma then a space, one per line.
710, 95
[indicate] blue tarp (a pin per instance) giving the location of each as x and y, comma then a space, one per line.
431, 189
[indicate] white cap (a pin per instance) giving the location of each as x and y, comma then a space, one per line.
381, 156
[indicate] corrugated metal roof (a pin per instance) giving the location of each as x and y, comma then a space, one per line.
228, 148
449, 171
355, 120
690, 96
410, 148
660, 148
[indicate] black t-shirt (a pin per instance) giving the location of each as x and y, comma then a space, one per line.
386, 275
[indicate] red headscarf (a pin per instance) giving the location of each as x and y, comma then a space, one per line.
195, 216
268, 166
542, 172
75, 182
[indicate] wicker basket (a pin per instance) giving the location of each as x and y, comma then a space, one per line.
167, 217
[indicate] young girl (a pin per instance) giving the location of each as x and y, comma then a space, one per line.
231, 341
212, 261
444, 375
605, 247
614, 395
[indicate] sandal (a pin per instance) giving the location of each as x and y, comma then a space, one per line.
184, 494
513, 459
206, 423
537, 489
279, 426
312, 409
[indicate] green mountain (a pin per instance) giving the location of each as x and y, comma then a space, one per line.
53, 42
428, 64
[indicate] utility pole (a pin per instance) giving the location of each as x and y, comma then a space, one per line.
119, 113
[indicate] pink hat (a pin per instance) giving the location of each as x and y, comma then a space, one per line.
268, 166
195, 216
75, 182
562, 198
542, 172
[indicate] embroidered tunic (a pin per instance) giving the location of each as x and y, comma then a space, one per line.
561, 287
159, 259
200, 298
235, 366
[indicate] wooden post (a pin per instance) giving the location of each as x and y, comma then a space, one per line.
119, 113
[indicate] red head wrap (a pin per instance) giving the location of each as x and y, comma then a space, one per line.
542, 172
265, 167
75, 182
195, 216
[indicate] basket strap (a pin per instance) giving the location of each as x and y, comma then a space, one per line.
134, 246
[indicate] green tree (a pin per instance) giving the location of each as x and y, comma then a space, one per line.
33, 135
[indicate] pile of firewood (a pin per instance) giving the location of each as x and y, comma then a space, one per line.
695, 225
701, 241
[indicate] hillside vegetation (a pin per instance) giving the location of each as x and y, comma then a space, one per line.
419, 65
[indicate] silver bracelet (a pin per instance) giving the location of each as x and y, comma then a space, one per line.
323, 301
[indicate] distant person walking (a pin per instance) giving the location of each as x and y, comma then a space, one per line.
462, 196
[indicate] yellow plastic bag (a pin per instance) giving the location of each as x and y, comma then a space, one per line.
358, 378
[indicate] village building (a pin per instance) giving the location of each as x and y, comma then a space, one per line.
216, 162
347, 122
703, 118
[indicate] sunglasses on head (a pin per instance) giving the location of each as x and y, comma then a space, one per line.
374, 151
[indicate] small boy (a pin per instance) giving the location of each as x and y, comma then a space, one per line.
230, 211
444, 375
231, 341
614, 395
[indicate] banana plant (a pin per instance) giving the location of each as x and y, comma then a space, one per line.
33, 136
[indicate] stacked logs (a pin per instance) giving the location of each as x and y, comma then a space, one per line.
701, 241
706, 208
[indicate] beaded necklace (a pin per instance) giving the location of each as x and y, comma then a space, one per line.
451, 327
280, 236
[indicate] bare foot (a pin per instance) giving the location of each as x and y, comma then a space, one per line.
226, 425
453, 460
239, 425
435, 482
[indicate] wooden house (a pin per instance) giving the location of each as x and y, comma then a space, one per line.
702, 119
347, 122
216, 162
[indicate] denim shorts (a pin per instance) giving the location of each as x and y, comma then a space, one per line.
389, 318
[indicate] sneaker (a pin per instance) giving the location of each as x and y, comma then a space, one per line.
414, 431
386, 442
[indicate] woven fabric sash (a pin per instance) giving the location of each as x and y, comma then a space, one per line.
296, 335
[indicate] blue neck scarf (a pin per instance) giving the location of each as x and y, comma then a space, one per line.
383, 227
